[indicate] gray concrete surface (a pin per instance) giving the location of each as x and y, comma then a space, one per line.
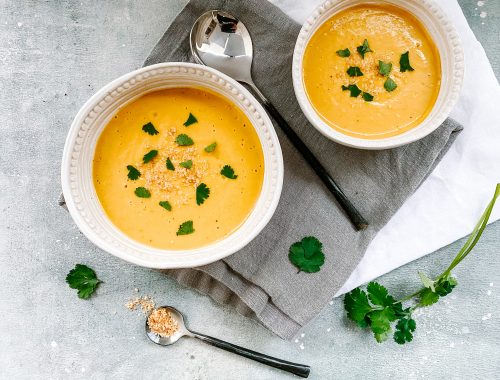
53, 56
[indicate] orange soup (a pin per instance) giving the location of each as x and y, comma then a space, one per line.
178, 168
372, 71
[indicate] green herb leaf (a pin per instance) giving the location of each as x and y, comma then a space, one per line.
384, 68
428, 283
381, 320
186, 228
142, 192
344, 53
445, 286
149, 128
170, 165
133, 173
187, 164
428, 297
210, 148
190, 120
379, 295
355, 91
354, 71
357, 306
307, 254
404, 62
367, 97
166, 205
184, 140
363, 49
228, 171
83, 279
202, 193
382, 337
390, 85
149, 156
404, 329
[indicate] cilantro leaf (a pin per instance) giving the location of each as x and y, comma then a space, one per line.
149, 156
84, 279
404, 63
404, 329
382, 337
354, 71
169, 164
149, 128
390, 85
228, 171
344, 53
444, 287
190, 120
186, 228
142, 192
363, 49
355, 91
381, 320
379, 295
428, 297
307, 254
384, 68
202, 193
166, 205
210, 148
357, 306
133, 173
188, 164
184, 140
367, 97
426, 281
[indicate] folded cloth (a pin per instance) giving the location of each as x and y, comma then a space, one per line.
259, 280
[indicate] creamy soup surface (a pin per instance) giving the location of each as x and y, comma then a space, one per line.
390, 32
132, 201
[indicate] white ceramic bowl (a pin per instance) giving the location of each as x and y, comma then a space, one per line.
76, 171
448, 44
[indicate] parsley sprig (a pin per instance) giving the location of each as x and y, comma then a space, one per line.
376, 309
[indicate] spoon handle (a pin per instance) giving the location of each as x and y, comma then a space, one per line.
354, 215
297, 369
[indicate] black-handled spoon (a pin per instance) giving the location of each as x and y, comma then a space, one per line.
297, 369
221, 41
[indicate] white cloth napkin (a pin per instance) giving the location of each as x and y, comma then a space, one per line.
448, 204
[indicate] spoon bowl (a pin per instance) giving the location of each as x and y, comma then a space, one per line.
168, 340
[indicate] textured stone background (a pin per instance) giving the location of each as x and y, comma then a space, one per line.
56, 54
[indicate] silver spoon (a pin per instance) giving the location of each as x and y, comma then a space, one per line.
221, 41
297, 369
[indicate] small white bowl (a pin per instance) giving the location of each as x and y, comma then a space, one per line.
447, 42
76, 170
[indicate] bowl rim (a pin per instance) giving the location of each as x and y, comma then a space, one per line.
246, 102
450, 97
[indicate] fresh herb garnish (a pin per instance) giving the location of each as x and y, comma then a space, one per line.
404, 62
150, 129
202, 193
184, 140
384, 68
210, 148
377, 309
344, 53
390, 85
367, 97
142, 192
187, 164
166, 205
149, 156
354, 71
190, 120
355, 91
133, 173
307, 255
186, 228
169, 164
228, 171
84, 279
363, 49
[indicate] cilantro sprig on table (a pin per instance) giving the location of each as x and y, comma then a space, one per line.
83, 279
376, 309
307, 254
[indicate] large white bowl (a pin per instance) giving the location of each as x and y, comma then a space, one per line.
448, 44
76, 171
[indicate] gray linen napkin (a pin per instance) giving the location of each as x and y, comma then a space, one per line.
259, 280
